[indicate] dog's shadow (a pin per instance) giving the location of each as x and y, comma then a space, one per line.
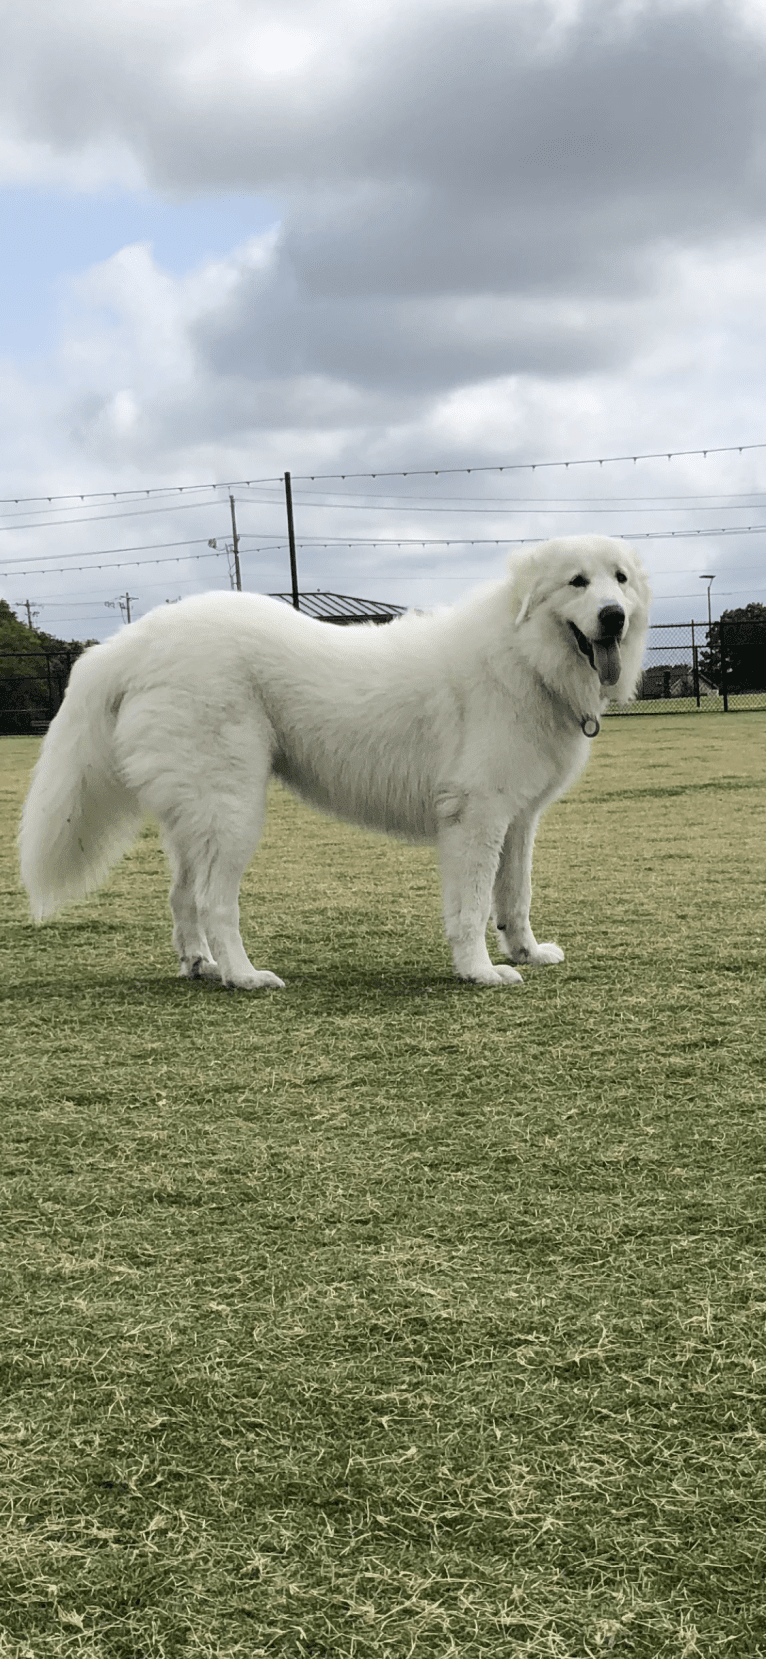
341, 989
337, 990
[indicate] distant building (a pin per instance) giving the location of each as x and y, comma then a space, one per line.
673, 680
342, 608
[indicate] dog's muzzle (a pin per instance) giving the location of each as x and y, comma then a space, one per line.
603, 653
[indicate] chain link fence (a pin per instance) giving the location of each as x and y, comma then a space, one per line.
690, 668
32, 685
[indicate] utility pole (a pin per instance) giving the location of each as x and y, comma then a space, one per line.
124, 603
291, 539
228, 548
26, 604
236, 545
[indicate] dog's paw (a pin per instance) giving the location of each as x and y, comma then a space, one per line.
536, 956
494, 976
259, 979
198, 967
545, 955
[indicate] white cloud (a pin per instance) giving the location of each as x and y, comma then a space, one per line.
508, 230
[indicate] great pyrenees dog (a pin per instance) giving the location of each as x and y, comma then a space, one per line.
458, 727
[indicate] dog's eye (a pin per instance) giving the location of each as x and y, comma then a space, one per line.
579, 582
621, 577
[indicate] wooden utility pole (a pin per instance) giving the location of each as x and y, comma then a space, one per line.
291, 539
124, 603
26, 605
237, 574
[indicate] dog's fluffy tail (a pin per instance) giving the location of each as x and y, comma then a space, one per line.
78, 817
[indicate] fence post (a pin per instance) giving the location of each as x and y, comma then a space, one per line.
724, 688
62, 676
51, 710
695, 668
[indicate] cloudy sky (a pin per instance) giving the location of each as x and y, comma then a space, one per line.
393, 238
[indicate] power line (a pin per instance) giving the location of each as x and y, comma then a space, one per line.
315, 543
130, 494
121, 564
698, 502
332, 506
446, 576
537, 466
399, 472
99, 518
115, 564
540, 507
526, 541
341, 497
101, 552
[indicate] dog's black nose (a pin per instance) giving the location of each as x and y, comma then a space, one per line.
611, 620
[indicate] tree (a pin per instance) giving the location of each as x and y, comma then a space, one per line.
34, 669
744, 649
18, 637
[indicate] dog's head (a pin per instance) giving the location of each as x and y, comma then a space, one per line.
581, 607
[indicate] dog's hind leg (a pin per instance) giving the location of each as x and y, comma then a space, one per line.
513, 895
211, 829
469, 848
219, 873
201, 768
194, 954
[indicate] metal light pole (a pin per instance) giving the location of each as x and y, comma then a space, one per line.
710, 580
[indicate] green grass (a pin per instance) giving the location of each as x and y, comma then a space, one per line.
386, 1316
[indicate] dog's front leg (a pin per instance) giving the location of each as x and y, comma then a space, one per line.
469, 848
513, 896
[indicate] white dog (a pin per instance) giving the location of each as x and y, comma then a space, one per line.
458, 727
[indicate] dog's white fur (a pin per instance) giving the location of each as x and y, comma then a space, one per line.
458, 727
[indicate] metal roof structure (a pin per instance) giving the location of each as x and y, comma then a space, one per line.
342, 608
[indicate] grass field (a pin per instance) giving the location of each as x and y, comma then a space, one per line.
386, 1316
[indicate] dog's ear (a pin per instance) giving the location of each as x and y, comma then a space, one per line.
528, 584
635, 642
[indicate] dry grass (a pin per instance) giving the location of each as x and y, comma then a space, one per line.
386, 1316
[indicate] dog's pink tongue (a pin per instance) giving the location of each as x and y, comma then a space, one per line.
606, 655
